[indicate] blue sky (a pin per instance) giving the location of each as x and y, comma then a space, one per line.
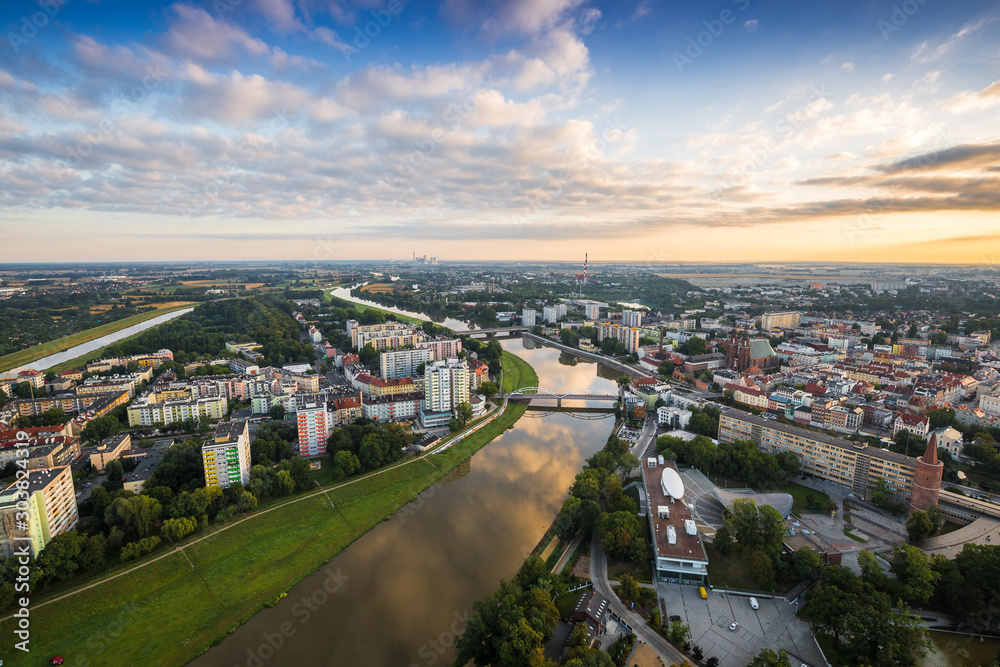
646, 131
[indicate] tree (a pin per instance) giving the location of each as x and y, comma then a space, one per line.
99, 428
770, 658
807, 564
464, 413
115, 472
913, 570
620, 535
761, 567
347, 462
871, 569
488, 389
629, 587
677, 633
277, 412
178, 529
919, 525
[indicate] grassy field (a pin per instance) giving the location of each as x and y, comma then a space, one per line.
360, 307
732, 571
799, 493
171, 610
35, 353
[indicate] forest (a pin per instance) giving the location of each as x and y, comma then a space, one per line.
205, 330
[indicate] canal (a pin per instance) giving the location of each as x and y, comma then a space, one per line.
399, 595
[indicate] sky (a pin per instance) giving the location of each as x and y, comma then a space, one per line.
637, 130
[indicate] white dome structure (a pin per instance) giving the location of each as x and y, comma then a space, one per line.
672, 484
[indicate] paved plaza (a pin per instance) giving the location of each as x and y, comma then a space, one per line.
774, 626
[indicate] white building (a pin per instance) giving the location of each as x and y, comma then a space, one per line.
674, 417
552, 314
592, 311
398, 364
528, 317
313, 423
446, 385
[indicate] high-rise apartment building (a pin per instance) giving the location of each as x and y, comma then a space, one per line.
528, 317
785, 319
313, 423
397, 364
446, 386
632, 318
226, 456
36, 514
629, 336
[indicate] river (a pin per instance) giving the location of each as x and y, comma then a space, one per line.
345, 294
404, 589
96, 344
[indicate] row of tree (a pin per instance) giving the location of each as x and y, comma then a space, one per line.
740, 459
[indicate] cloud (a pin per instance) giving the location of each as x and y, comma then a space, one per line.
195, 35
970, 100
751, 24
509, 16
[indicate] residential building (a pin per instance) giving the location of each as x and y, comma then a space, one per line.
392, 408
446, 385
392, 335
592, 311
226, 456
346, 410
397, 364
628, 336
855, 465
528, 317
313, 424
135, 481
632, 318
33, 516
915, 424
442, 348
379, 388
110, 449
785, 319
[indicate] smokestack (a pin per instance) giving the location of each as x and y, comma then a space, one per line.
661, 339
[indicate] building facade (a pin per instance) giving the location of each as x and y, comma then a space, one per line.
226, 456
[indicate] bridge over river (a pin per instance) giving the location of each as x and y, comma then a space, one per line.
534, 394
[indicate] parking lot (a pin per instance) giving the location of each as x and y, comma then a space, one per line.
774, 626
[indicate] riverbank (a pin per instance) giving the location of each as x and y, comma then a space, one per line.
42, 350
175, 605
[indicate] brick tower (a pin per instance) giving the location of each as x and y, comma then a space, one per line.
927, 478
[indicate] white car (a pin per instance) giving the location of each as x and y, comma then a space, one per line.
753, 603
733, 626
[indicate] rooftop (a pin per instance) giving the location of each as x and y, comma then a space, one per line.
685, 546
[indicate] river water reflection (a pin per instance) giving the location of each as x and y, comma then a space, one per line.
403, 590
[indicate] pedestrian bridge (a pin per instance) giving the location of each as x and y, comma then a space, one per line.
532, 394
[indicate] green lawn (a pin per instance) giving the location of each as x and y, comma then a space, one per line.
799, 494
170, 611
732, 571
565, 603
26, 356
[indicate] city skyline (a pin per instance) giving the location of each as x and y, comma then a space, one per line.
273, 129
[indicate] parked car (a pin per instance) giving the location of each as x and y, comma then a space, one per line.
753, 603
56, 661
733, 626
674, 618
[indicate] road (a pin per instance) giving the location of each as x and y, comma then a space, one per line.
599, 575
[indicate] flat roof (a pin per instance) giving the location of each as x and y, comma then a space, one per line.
687, 546
862, 448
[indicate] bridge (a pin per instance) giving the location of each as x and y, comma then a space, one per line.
493, 330
529, 394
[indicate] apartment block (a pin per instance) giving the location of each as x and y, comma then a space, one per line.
226, 456
632, 318
528, 317
36, 514
446, 385
629, 336
784, 319
313, 424
445, 348
398, 364
855, 465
